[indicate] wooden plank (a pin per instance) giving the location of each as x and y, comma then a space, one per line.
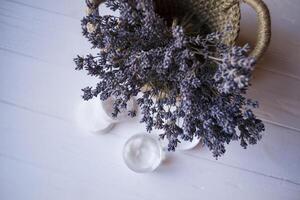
55, 95
66, 8
278, 96
56, 160
38, 38
274, 156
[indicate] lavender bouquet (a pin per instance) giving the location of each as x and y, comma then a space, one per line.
181, 76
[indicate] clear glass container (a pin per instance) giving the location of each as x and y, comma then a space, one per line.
183, 145
95, 115
143, 153
107, 107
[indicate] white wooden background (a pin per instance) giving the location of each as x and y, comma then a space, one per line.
43, 155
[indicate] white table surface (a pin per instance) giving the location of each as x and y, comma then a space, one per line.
44, 155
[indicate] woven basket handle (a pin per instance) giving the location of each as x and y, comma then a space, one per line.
92, 5
264, 27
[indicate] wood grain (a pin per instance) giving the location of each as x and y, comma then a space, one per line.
44, 155
63, 162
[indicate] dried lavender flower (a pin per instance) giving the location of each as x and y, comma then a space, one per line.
197, 80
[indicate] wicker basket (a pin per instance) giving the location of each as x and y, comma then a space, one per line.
214, 15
